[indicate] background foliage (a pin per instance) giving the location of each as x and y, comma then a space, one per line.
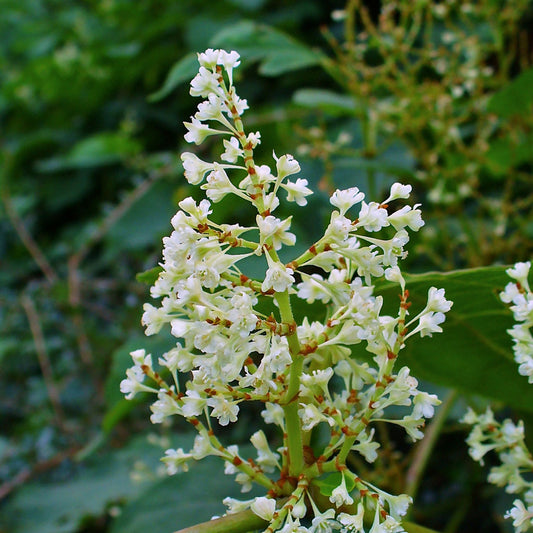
92, 97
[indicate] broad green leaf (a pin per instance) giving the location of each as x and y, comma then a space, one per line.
249, 5
331, 102
145, 221
410, 527
180, 501
505, 153
516, 98
182, 71
61, 506
149, 277
474, 353
276, 51
100, 149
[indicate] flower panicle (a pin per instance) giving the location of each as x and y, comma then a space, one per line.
237, 339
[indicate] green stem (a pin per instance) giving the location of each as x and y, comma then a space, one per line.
415, 528
242, 522
293, 426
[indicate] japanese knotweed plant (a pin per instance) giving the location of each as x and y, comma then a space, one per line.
507, 438
233, 351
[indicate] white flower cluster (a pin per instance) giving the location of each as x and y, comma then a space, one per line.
238, 340
520, 296
507, 440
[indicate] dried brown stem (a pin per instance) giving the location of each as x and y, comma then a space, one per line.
27, 473
27, 240
44, 360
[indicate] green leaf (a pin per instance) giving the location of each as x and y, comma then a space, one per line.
505, 152
276, 51
145, 221
415, 528
182, 71
61, 506
180, 501
248, 5
98, 150
516, 98
328, 101
332, 481
149, 277
474, 353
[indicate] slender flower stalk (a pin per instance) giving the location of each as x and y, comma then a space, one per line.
237, 339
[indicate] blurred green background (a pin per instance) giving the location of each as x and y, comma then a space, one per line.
92, 99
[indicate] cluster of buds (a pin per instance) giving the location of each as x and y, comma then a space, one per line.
520, 296
507, 438
238, 340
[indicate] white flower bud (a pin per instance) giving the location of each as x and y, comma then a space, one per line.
264, 507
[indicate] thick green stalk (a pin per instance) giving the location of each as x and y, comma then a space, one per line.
242, 522
290, 408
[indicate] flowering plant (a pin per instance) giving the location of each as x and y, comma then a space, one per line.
238, 340
507, 438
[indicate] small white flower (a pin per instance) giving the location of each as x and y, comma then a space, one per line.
176, 461
520, 272
273, 414
236, 506
437, 302
424, 404
372, 216
297, 192
195, 168
278, 277
344, 199
522, 516
229, 60
264, 507
339, 495
209, 58
407, 217
286, 165
198, 131
398, 190
353, 522
429, 324
232, 150
225, 410
218, 184
204, 83
273, 228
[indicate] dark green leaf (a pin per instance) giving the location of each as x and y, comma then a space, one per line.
505, 153
180, 501
60, 507
474, 353
101, 149
516, 98
145, 222
182, 71
277, 52
332, 481
149, 277
415, 528
328, 101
